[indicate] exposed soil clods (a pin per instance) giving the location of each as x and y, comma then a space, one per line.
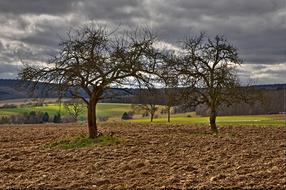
148, 157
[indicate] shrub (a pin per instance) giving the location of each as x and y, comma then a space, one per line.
4, 120
126, 116
34, 117
26, 118
45, 117
57, 118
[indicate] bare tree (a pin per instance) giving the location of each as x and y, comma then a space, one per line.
91, 60
74, 107
209, 75
171, 98
148, 100
149, 108
168, 77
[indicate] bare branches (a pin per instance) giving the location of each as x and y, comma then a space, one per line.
92, 58
208, 73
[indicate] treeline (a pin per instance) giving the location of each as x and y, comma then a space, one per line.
271, 102
268, 101
32, 117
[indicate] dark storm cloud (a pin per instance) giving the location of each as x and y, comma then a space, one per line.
1, 46
36, 6
113, 9
49, 34
227, 8
257, 27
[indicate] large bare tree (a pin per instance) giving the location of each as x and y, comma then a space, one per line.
91, 60
208, 73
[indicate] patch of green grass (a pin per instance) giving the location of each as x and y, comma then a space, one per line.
82, 141
51, 109
112, 109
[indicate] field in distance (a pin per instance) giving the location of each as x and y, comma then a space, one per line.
192, 118
111, 110
114, 111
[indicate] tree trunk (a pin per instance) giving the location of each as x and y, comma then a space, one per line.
91, 117
152, 116
169, 114
213, 120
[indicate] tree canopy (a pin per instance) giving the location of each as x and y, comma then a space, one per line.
91, 59
207, 71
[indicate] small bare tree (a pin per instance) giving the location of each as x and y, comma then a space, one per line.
74, 107
91, 60
150, 108
168, 77
148, 102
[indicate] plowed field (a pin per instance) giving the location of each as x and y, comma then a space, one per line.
148, 157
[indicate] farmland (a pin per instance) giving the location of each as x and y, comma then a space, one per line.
114, 111
149, 156
248, 152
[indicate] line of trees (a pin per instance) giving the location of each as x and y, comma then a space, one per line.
33, 117
93, 59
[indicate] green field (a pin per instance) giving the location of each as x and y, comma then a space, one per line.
192, 118
114, 111
103, 110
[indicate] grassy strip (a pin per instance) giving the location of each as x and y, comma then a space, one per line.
274, 120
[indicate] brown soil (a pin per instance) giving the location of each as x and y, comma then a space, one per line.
149, 157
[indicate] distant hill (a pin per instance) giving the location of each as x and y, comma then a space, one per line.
13, 89
9, 90
270, 86
16, 89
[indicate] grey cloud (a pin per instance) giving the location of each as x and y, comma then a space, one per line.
36, 6
113, 9
1, 46
8, 72
8, 68
227, 8
257, 27
49, 35
272, 78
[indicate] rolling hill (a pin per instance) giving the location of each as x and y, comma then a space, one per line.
16, 89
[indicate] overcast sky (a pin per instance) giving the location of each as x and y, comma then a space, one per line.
31, 29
